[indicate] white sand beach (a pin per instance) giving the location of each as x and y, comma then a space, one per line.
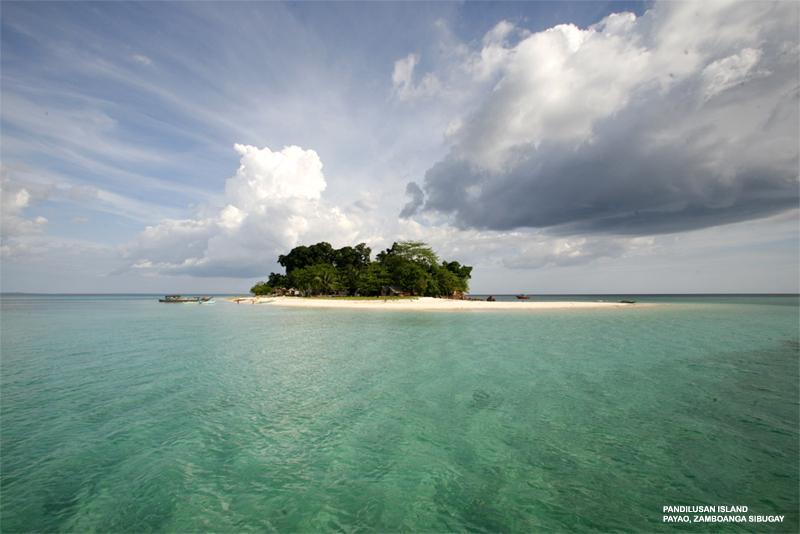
423, 304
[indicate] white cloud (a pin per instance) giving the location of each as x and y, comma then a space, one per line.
730, 71
403, 80
17, 229
499, 34
142, 59
267, 175
554, 85
272, 203
562, 252
15, 199
403, 74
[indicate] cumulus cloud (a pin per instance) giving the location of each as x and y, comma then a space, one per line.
682, 119
15, 199
16, 227
272, 203
403, 79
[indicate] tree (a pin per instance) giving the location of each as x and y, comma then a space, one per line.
261, 288
372, 278
409, 275
349, 278
464, 272
302, 279
351, 257
448, 283
326, 279
278, 280
303, 256
315, 279
415, 251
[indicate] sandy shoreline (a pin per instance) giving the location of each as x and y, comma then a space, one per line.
423, 303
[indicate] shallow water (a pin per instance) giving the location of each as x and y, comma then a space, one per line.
123, 414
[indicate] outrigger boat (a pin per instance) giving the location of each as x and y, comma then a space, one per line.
182, 299
522, 297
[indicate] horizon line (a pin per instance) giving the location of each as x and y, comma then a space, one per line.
534, 293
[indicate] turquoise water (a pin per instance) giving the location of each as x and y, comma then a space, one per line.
122, 414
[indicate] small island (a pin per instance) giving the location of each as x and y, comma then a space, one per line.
406, 269
407, 276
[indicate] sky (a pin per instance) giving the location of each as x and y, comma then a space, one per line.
587, 147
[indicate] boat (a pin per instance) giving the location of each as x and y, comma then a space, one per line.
522, 297
184, 300
627, 302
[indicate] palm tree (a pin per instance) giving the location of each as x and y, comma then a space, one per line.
326, 281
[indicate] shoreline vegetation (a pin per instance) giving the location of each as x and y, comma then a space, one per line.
407, 268
406, 276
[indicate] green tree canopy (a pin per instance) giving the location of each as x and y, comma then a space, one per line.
304, 256
277, 280
462, 271
261, 288
415, 251
315, 279
356, 257
411, 266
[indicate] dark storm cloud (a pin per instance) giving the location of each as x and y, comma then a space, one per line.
416, 199
716, 145
620, 184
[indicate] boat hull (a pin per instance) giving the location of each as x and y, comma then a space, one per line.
187, 300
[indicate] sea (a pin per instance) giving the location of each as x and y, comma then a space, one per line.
121, 414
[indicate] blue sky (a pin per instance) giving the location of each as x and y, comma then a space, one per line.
558, 147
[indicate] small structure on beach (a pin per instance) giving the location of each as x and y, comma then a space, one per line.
393, 291
287, 292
